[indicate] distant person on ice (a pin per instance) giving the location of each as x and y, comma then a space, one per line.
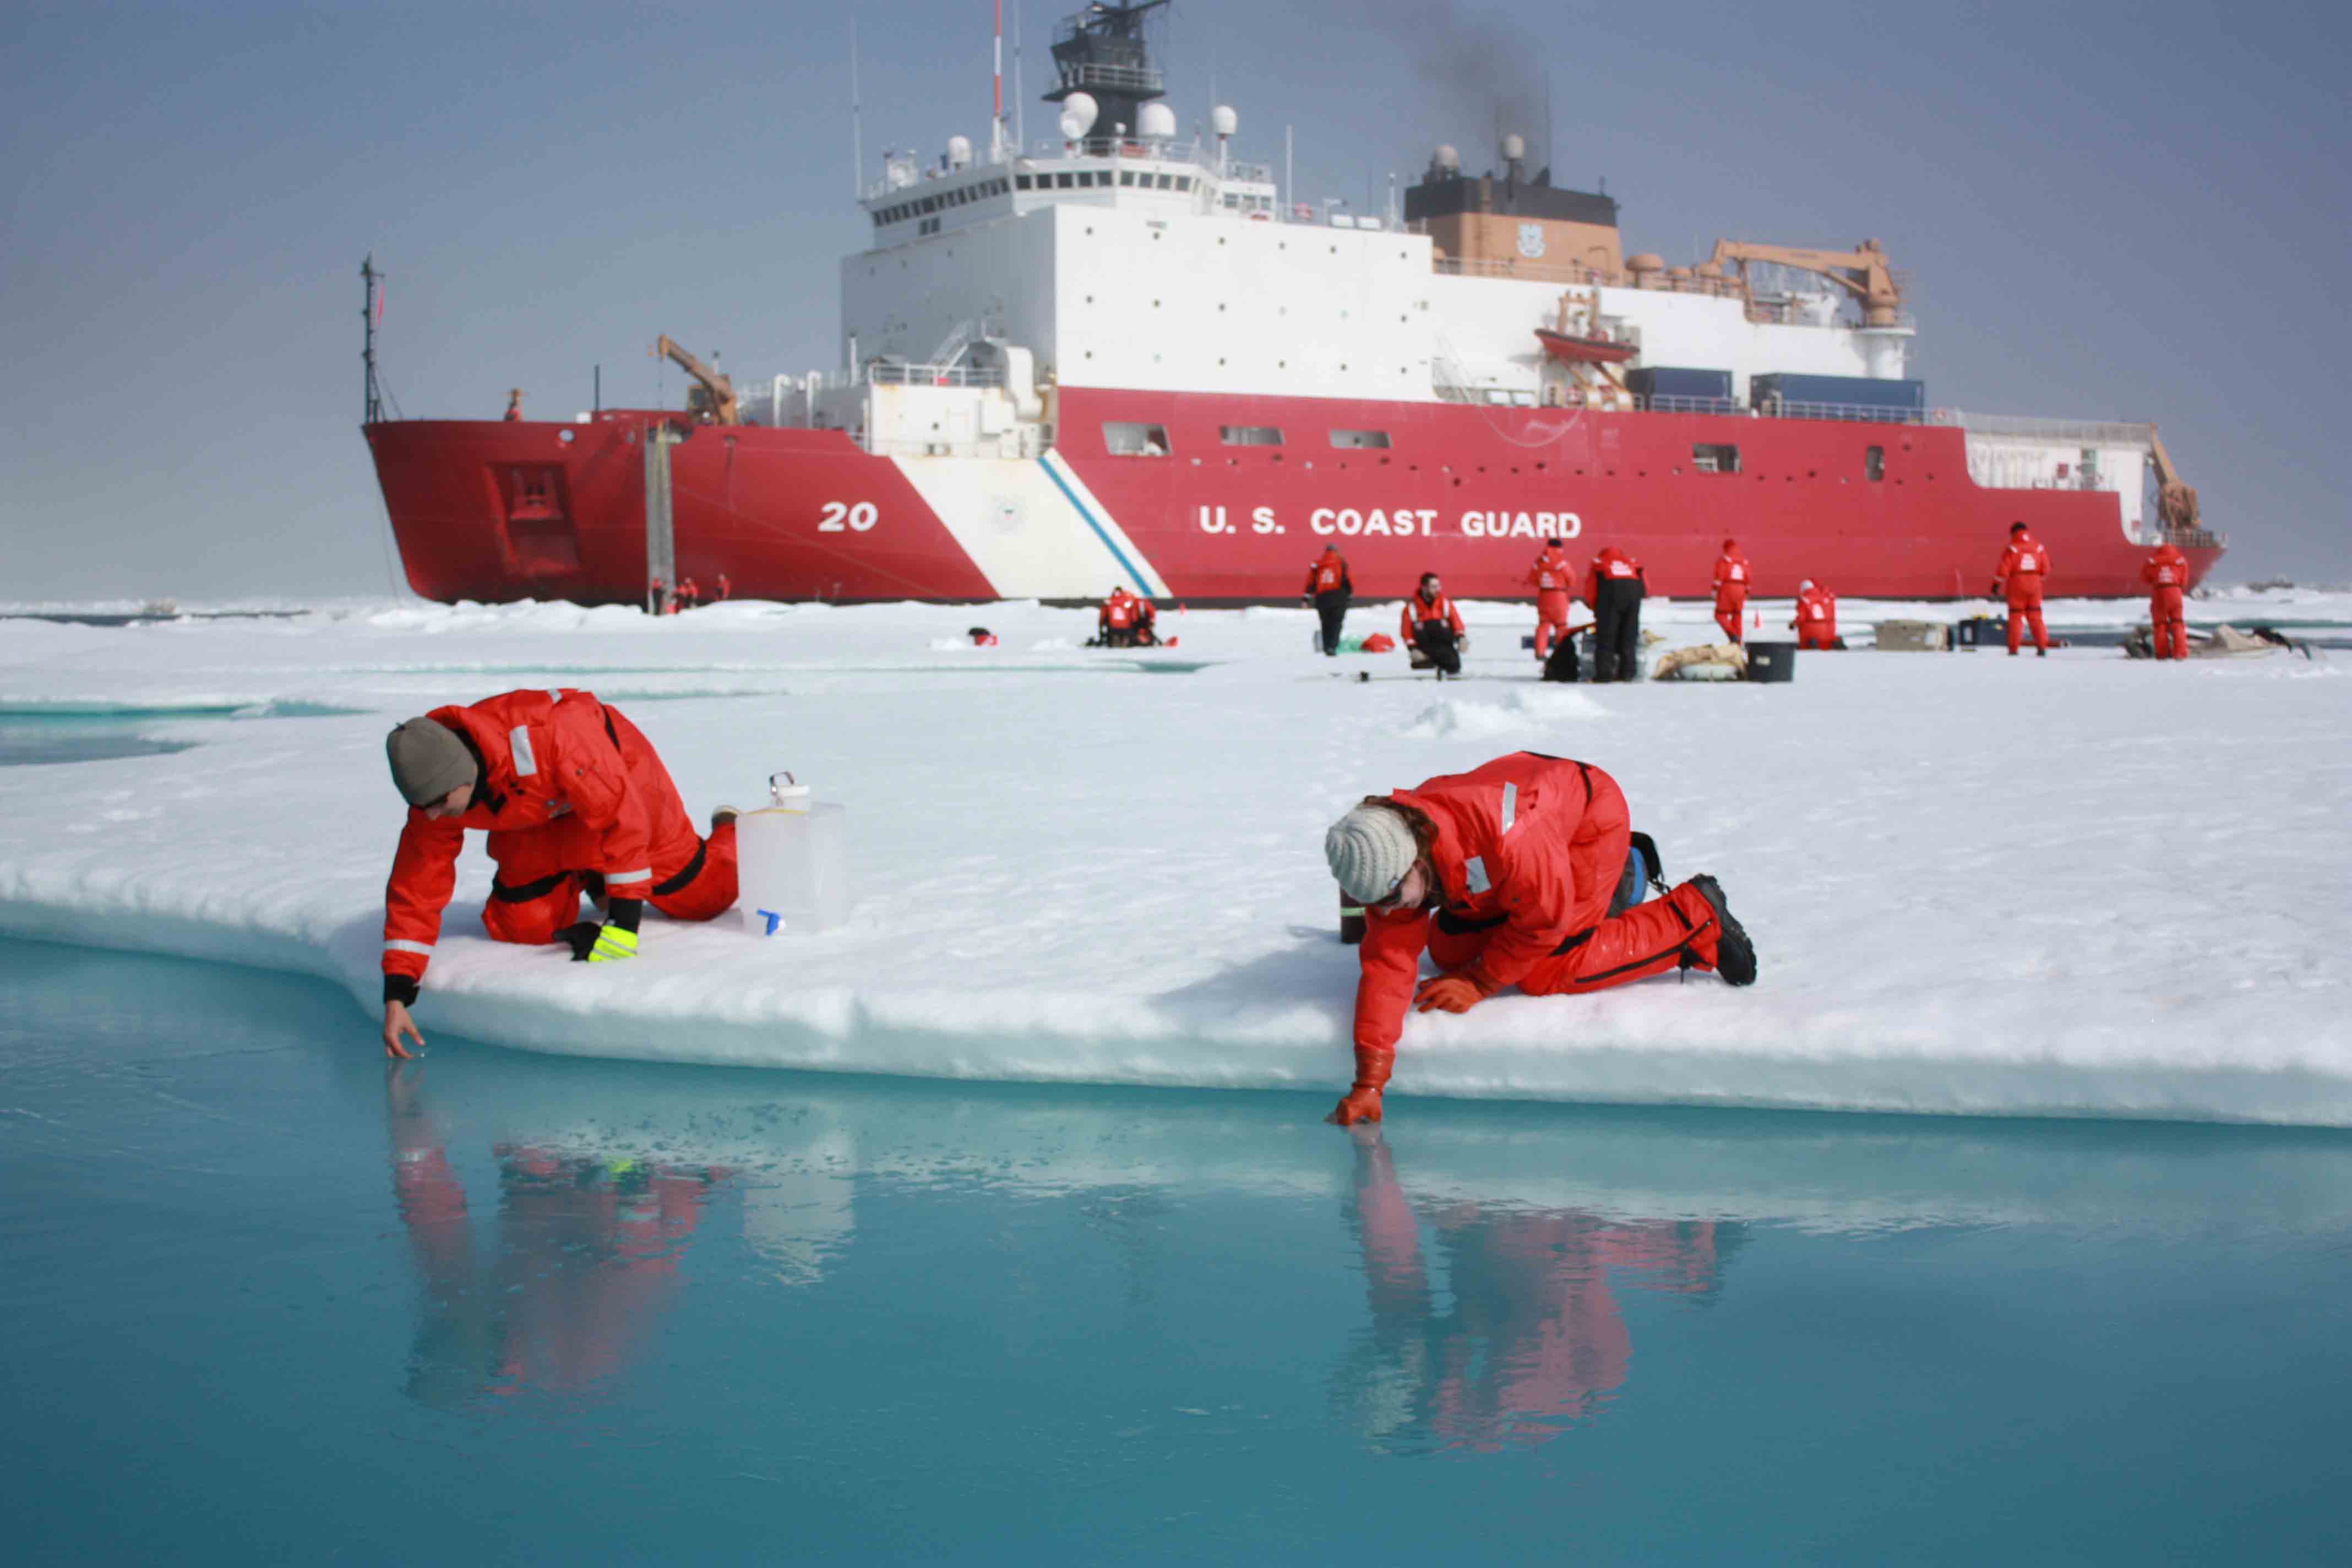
2018, 580
1816, 619
1115, 622
2166, 572
1432, 624
1330, 587
575, 800
1731, 576
1614, 588
1522, 866
1554, 580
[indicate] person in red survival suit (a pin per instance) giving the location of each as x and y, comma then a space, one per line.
575, 800
1530, 1335
1518, 863
514, 406
1330, 588
1115, 622
1147, 623
2024, 567
1816, 619
2166, 572
726, 589
689, 593
1614, 588
1554, 580
1432, 624
1730, 589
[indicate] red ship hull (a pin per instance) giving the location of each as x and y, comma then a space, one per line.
492, 510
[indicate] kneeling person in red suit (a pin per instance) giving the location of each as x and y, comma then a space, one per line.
1508, 874
575, 800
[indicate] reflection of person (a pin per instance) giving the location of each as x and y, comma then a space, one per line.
1531, 1330
1521, 866
587, 1260
2024, 568
575, 800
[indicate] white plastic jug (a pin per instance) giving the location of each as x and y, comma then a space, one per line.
791, 862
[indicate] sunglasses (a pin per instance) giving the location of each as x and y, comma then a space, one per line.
1390, 898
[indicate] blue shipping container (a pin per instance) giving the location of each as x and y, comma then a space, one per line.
1847, 390
1676, 381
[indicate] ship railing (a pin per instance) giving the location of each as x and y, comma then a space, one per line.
1666, 403
894, 372
2070, 432
1860, 413
1198, 153
1531, 271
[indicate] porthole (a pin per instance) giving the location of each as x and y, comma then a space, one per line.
565, 436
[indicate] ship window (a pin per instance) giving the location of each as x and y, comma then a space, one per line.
1712, 459
1127, 176
1183, 182
1125, 439
1359, 441
1064, 181
1250, 434
1874, 462
1162, 182
1020, 181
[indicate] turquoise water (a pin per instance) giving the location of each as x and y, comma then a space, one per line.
266, 1301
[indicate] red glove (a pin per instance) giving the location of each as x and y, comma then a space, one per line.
1449, 993
1362, 1103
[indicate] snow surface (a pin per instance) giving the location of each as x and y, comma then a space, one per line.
2082, 885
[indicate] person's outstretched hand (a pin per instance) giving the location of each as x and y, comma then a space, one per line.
397, 1024
1359, 1104
1448, 993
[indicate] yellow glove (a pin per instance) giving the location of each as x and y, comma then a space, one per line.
613, 944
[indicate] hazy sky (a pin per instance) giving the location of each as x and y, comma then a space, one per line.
2111, 210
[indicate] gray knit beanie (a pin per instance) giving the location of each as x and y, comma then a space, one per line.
1370, 849
428, 761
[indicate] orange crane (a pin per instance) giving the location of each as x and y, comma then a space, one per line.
712, 399
2176, 500
1864, 272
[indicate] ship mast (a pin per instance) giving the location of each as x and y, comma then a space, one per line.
1100, 52
372, 409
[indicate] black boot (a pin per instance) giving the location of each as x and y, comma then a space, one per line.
1734, 955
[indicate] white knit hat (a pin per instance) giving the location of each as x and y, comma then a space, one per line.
1370, 849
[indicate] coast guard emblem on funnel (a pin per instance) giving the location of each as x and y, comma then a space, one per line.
1531, 244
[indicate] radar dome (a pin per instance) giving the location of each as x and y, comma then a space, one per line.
1515, 147
1446, 157
958, 151
1223, 120
1079, 111
1156, 123
1647, 261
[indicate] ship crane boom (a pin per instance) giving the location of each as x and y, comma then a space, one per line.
716, 403
1862, 272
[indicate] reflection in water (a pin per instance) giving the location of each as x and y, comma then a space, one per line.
1531, 1339
586, 1260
